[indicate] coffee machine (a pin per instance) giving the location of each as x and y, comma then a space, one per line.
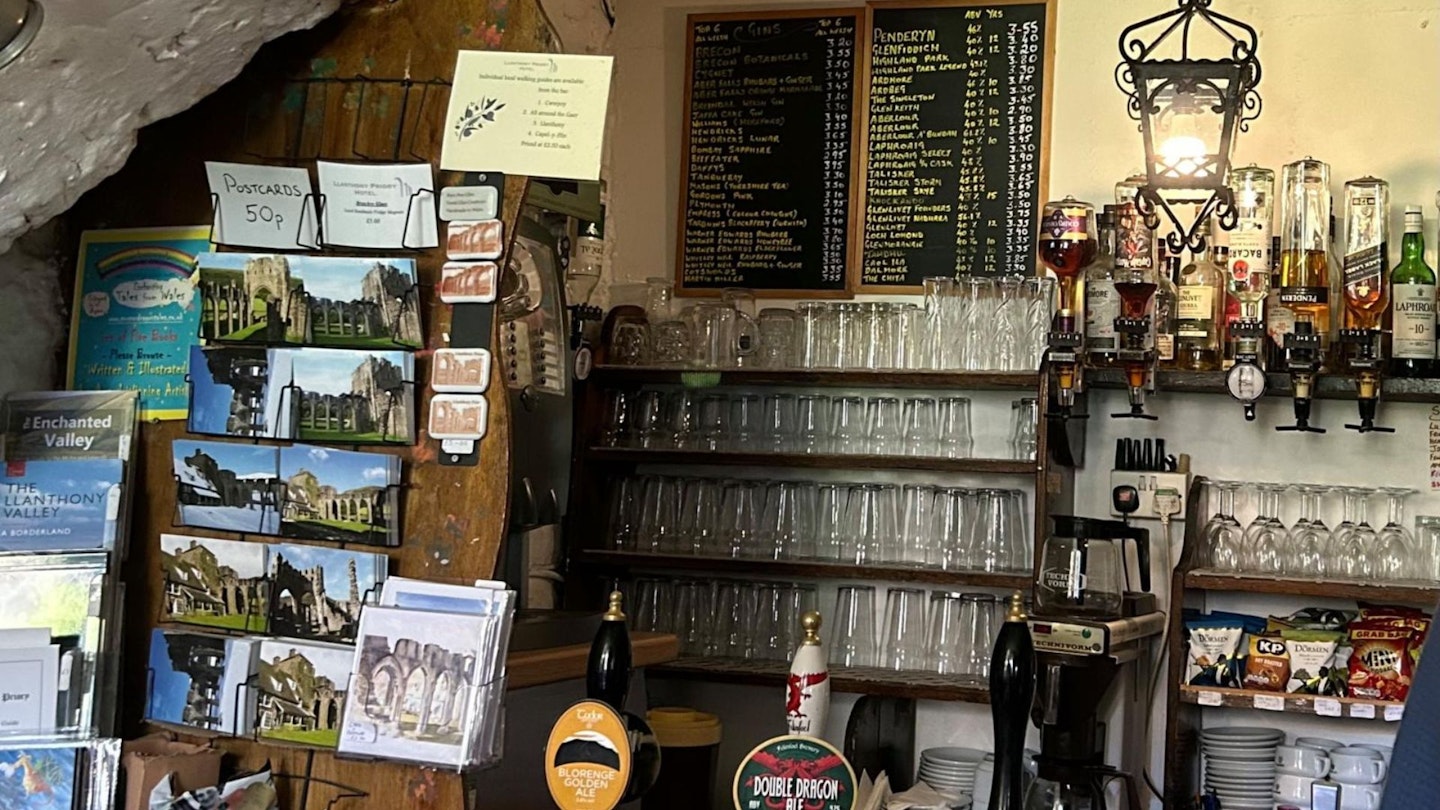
1080, 654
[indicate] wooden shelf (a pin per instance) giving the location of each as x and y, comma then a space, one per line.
554, 664
857, 680
992, 466
629, 561
1420, 594
1332, 386
1296, 704
973, 380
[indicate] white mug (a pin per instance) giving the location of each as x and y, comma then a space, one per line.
1383, 750
1357, 766
1293, 788
1319, 742
1300, 759
1360, 797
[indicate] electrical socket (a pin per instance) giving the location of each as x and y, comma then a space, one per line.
1146, 483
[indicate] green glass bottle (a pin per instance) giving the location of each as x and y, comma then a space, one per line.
1412, 285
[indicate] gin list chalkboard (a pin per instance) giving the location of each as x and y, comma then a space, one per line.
766, 198
955, 138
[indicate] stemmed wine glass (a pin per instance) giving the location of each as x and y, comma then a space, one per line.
1222, 539
1309, 541
1394, 548
1354, 550
1265, 536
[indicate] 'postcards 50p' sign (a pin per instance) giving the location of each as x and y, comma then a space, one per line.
794, 773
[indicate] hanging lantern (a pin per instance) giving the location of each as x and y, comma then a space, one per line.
1191, 87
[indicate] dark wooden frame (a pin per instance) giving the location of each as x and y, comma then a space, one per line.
1042, 185
853, 243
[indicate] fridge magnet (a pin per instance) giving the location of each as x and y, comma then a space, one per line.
465, 240
468, 282
317, 592
300, 691
215, 583
378, 205
457, 416
405, 705
461, 371
472, 203
238, 391
338, 302
352, 397
134, 317
339, 495
231, 487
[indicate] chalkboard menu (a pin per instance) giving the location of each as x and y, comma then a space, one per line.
955, 139
766, 198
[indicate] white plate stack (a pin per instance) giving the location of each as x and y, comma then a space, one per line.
1240, 765
951, 771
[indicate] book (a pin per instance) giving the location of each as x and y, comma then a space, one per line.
340, 495
60, 505
317, 592
29, 685
300, 691
412, 686
202, 681
66, 425
216, 583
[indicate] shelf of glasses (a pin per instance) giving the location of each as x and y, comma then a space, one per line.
994, 466
1331, 386
632, 560
860, 378
856, 680
1424, 594
1357, 708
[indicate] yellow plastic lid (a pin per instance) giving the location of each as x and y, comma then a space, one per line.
678, 727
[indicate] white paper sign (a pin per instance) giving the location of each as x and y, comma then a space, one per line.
1208, 698
378, 205
1434, 448
262, 206
1394, 714
1270, 703
1327, 707
527, 113
1365, 711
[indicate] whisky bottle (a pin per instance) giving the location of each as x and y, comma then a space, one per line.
1164, 315
1305, 260
1102, 303
1367, 252
1279, 318
1412, 289
1200, 313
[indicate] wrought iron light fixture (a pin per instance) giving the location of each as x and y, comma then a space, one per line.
1190, 108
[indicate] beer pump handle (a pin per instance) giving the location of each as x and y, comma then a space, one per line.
1012, 691
607, 672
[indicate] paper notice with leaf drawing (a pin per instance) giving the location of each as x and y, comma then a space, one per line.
527, 113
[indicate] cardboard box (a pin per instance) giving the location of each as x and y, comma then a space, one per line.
149, 760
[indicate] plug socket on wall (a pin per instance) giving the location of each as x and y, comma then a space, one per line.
1146, 483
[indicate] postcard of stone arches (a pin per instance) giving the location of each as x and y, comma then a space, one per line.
302, 491
339, 396
273, 299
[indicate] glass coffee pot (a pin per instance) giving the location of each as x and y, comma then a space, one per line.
1082, 568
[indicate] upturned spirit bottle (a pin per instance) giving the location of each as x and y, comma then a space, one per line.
1367, 252
1279, 318
1200, 313
1102, 303
1412, 289
1305, 261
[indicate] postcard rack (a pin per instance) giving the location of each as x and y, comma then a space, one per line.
402, 112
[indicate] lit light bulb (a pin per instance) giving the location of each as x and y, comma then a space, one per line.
1185, 154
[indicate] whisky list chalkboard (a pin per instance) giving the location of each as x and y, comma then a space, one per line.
766, 195
955, 138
